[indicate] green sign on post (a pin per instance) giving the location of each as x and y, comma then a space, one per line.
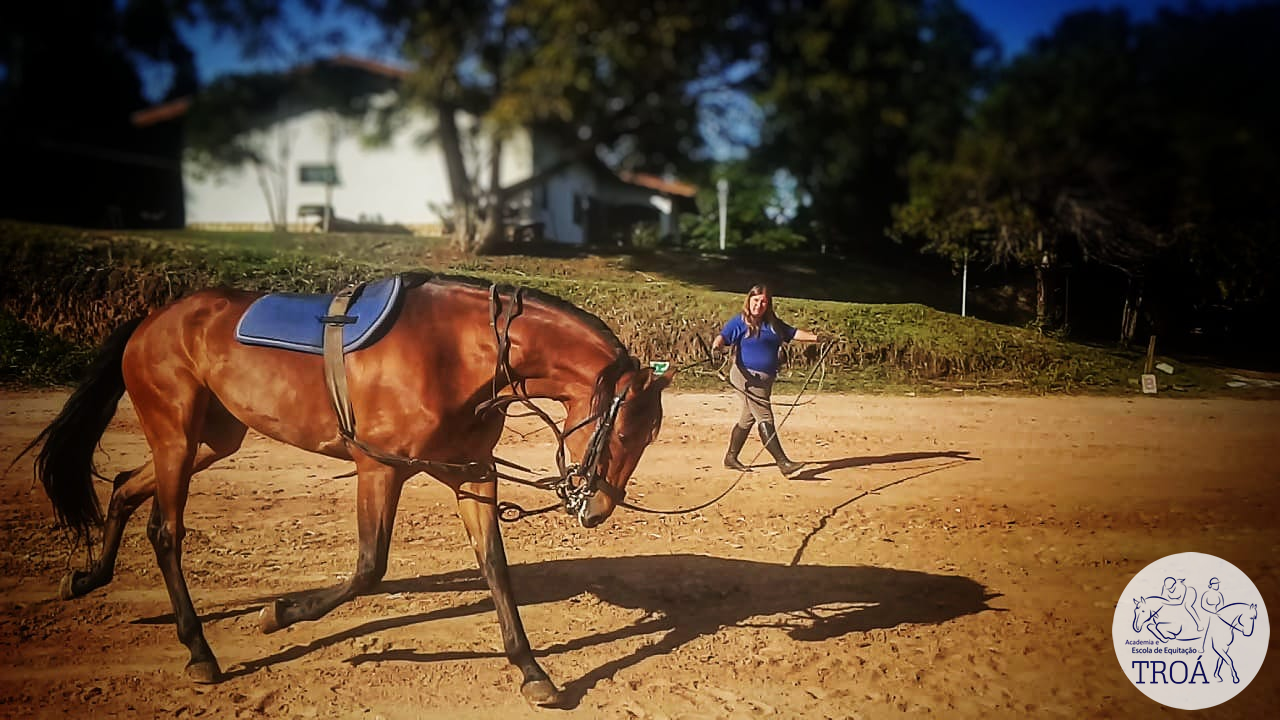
318, 174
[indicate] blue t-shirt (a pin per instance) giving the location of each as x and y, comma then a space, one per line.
759, 353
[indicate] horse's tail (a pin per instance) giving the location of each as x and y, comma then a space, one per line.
65, 464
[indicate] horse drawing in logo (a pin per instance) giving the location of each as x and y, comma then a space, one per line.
1179, 621
1236, 617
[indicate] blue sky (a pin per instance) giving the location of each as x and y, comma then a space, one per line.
1014, 23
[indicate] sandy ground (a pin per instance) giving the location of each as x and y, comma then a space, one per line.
957, 556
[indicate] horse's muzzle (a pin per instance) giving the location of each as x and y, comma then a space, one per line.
596, 509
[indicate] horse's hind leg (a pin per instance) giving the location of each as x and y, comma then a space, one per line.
378, 496
223, 435
131, 488
171, 410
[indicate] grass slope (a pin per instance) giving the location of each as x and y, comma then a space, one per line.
62, 290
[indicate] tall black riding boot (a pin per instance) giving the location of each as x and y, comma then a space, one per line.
769, 436
737, 437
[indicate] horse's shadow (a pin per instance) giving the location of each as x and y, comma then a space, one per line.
696, 596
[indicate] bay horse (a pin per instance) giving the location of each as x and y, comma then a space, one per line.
429, 392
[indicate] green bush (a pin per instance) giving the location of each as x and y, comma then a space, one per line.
64, 290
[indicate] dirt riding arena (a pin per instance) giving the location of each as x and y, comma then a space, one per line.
957, 556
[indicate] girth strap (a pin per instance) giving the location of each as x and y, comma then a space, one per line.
335, 380
335, 370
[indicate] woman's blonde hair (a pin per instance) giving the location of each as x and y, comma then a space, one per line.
753, 326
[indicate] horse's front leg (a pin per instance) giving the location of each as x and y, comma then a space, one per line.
1154, 627
477, 505
377, 497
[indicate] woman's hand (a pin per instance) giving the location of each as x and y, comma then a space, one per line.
718, 348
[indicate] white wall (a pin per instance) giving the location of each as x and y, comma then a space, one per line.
557, 216
395, 182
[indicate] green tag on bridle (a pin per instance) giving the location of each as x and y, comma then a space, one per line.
660, 366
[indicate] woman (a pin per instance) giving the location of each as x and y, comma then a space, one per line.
758, 334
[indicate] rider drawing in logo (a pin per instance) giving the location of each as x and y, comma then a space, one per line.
1182, 623
1236, 617
1211, 600
1178, 592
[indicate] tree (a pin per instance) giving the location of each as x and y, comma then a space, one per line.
853, 90
594, 78
1107, 146
1213, 176
66, 91
755, 219
1044, 176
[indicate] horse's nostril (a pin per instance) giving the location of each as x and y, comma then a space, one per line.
591, 521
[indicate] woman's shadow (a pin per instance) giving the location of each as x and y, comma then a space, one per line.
684, 596
816, 469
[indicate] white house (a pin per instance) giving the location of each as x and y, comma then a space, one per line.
403, 183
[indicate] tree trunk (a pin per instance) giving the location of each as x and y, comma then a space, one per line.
1129, 318
1048, 316
282, 183
1042, 287
494, 229
262, 170
464, 228
1041, 298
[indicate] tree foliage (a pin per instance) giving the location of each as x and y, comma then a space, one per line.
753, 221
618, 79
853, 90
1141, 147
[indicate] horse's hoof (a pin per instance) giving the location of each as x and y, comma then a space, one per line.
205, 672
65, 589
541, 693
269, 618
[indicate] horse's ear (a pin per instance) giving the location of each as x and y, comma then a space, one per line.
664, 380
1135, 602
654, 378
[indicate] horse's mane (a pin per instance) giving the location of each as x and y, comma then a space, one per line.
1239, 608
602, 394
413, 279
622, 363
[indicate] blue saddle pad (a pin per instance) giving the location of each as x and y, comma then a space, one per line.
293, 321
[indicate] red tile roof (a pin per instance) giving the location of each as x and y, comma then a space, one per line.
653, 182
177, 108
155, 114
372, 66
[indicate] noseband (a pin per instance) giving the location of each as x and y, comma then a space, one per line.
579, 481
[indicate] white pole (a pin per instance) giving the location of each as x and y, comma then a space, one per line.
964, 284
722, 186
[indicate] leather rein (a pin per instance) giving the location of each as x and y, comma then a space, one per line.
575, 483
